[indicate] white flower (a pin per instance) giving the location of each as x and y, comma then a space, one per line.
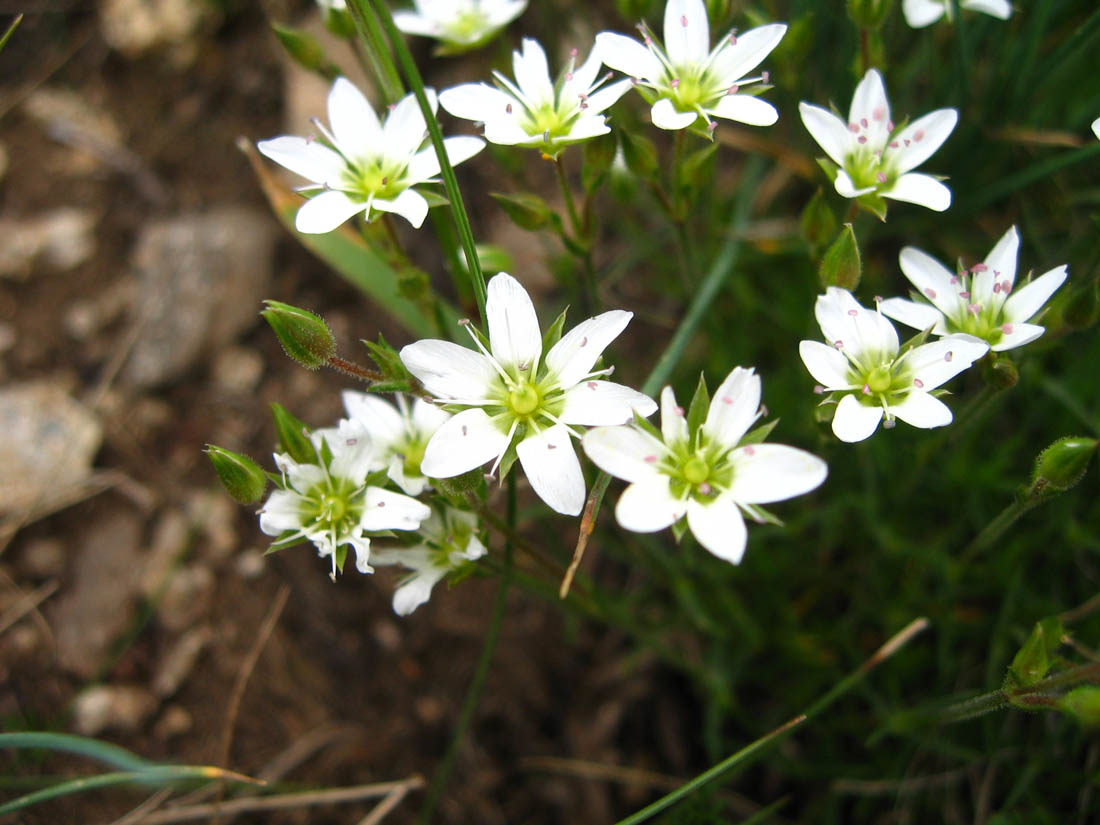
399, 434
875, 159
707, 475
367, 166
449, 543
330, 503
863, 363
976, 301
534, 111
687, 80
1096, 127
921, 13
460, 24
516, 403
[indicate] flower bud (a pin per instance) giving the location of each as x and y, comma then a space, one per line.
869, 14
526, 210
1060, 466
305, 337
242, 477
1083, 703
841, 266
304, 50
293, 435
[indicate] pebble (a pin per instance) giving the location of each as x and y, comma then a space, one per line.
187, 599
61, 239
238, 370
134, 27
121, 708
180, 660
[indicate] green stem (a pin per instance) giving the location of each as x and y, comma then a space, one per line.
1032, 695
373, 50
580, 238
10, 31
996, 528
473, 692
447, 172
742, 757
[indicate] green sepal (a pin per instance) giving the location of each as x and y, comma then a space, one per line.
339, 23
527, 210
640, 154
830, 168
842, 265
459, 485
874, 204
1000, 372
341, 556
645, 426
916, 341
304, 336
509, 458
1033, 661
388, 360
305, 51
553, 335
596, 159
758, 435
326, 453
818, 222
679, 528
824, 412
699, 406
697, 168
293, 435
434, 198
241, 477
287, 539
386, 387
762, 516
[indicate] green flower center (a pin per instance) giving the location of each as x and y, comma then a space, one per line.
467, 26
376, 178
879, 380
524, 399
696, 470
333, 505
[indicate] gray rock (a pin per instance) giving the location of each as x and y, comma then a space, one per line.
122, 708
47, 443
98, 605
200, 282
62, 239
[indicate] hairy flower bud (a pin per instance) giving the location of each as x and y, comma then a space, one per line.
242, 477
1083, 703
1060, 466
305, 337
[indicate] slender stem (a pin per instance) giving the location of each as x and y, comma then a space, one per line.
354, 370
373, 49
473, 692
742, 757
996, 528
580, 238
447, 172
864, 50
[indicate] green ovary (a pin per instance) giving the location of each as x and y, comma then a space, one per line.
375, 180
466, 26
879, 380
524, 400
696, 470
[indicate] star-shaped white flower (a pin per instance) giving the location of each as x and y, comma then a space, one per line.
535, 111
366, 166
874, 158
921, 13
709, 475
448, 543
687, 81
330, 502
1096, 127
864, 365
399, 434
516, 402
460, 24
979, 301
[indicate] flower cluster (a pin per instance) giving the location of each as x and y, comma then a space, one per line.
460, 25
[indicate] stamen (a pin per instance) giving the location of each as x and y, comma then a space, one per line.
919, 136
931, 293
853, 128
818, 389
1006, 329
592, 385
881, 176
889, 424
879, 113
679, 411
979, 268
862, 138
964, 294
853, 312
918, 383
675, 84
704, 488
1006, 286
949, 356
732, 90
838, 344
650, 459
866, 389
863, 122
890, 125
508, 108
974, 309
683, 20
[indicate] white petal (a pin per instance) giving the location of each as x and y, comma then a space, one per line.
1000, 266
826, 364
380, 418
410, 205
910, 313
411, 23
476, 101
735, 60
733, 407
514, 335
774, 472
937, 362
532, 72
828, 130
354, 123
323, 213
583, 128
687, 32
674, 428
392, 511
754, 111
1001, 9
1028, 300
506, 131
920, 139
863, 333
624, 54
583, 76
281, 512
553, 469
425, 164
604, 403
869, 103
719, 527
922, 190
305, 157
665, 116
607, 96
465, 441
416, 590
427, 418
846, 187
853, 421
919, 409
412, 485
572, 358
931, 278
1021, 334
648, 506
352, 450
404, 130
624, 452
1096, 127
449, 371
921, 13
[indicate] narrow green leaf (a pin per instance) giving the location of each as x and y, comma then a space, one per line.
10, 31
